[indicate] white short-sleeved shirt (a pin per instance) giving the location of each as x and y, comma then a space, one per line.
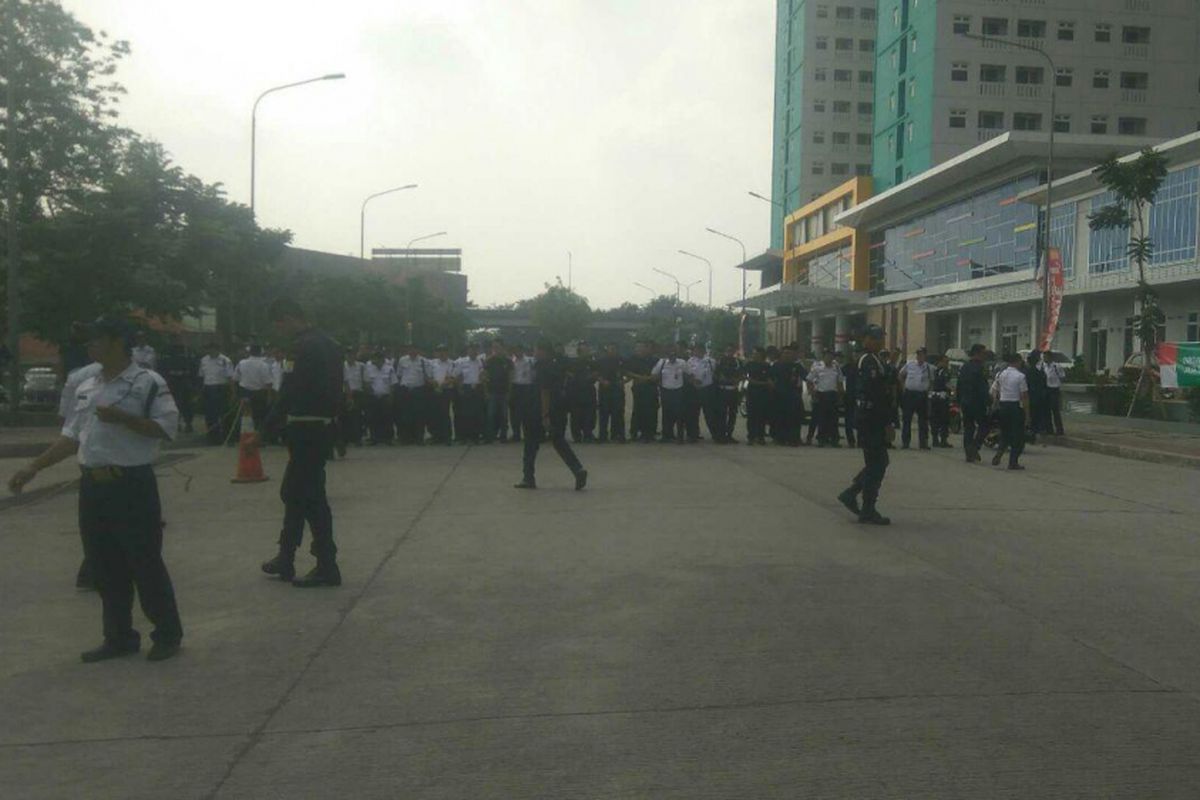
671, 373
66, 402
216, 370
1055, 374
144, 356
253, 374
469, 371
701, 368
916, 377
380, 379
523, 370
352, 374
439, 371
276, 372
824, 378
1010, 385
109, 444
410, 371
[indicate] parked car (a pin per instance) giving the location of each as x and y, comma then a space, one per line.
41, 388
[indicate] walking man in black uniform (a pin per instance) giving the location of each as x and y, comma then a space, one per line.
307, 405
549, 414
121, 415
876, 428
973, 392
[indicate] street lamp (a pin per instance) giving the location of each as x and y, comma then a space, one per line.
1044, 238
362, 217
687, 288
337, 76
775, 203
652, 292
678, 285
423, 238
743, 246
706, 261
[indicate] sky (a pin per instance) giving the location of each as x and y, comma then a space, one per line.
616, 130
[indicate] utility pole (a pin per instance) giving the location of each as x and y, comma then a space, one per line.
12, 232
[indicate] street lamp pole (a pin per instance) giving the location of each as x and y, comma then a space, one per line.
362, 217
13, 337
743, 246
411, 242
1044, 237
710, 272
337, 76
678, 285
687, 288
652, 292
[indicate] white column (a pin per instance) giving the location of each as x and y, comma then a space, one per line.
994, 344
841, 333
1081, 338
816, 340
1035, 335
961, 332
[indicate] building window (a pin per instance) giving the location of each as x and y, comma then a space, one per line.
1062, 123
991, 120
962, 24
1103, 32
913, 46
1107, 248
912, 88
1100, 79
862, 169
958, 118
1008, 338
995, 26
1193, 327
866, 14
1173, 218
1064, 76
862, 139
958, 71
1030, 75
993, 73
866, 108
843, 44
818, 168
822, 12
1066, 31
841, 137
843, 75
822, 43
819, 74
896, 17
1135, 35
1099, 124
1131, 126
1031, 28
1025, 121
845, 12
1062, 235
819, 106
818, 137
838, 168
866, 76
1135, 80
841, 106
908, 131
866, 45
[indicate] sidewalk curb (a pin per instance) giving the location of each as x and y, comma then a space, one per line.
1121, 451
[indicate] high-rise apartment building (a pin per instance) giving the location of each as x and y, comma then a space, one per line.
1120, 67
824, 100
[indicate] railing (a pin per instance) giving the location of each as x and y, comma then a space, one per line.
1137, 51
987, 134
1029, 90
989, 89
1133, 95
1137, 5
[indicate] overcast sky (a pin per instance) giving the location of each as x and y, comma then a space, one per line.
616, 129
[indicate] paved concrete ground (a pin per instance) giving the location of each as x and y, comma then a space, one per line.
704, 622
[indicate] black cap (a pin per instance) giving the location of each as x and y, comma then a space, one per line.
113, 327
872, 332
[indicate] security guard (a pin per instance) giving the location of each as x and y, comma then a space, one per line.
581, 386
972, 391
178, 367
670, 372
729, 375
916, 377
351, 417
1011, 391
549, 415
643, 424
379, 377
523, 391
787, 376
876, 428
701, 395
215, 372
611, 389
468, 397
758, 397
253, 379
410, 389
307, 405
120, 416
440, 374
850, 399
939, 403
825, 383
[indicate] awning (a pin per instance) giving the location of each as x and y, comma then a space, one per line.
806, 298
770, 259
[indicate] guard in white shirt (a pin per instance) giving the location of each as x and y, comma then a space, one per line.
916, 377
351, 418
702, 396
523, 392
84, 578
120, 416
410, 412
1011, 389
468, 401
216, 370
379, 377
1056, 374
439, 374
670, 372
825, 383
254, 384
143, 354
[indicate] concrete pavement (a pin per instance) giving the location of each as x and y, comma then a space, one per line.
703, 622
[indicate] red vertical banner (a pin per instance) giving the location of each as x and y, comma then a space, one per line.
1054, 296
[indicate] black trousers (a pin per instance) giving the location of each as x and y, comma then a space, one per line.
534, 433
379, 418
714, 419
409, 413
215, 400
692, 405
1053, 413
849, 413
350, 419
497, 417
259, 406
672, 414
120, 517
939, 418
643, 424
975, 429
583, 416
758, 401
914, 402
437, 415
869, 480
612, 412
522, 404
182, 390
825, 418
790, 418
1012, 431
303, 492
468, 414
727, 408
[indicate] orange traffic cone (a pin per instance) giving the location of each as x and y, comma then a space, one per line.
249, 468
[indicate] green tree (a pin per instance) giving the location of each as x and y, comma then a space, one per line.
1134, 184
561, 314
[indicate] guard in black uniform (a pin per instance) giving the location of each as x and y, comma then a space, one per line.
178, 367
581, 382
939, 403
612, 395
758, 397
974, 391
876, 429
729, 375
307, 405
548, 414
850, 398
643, 424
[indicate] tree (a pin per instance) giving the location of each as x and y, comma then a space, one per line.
1134, 184
559, 312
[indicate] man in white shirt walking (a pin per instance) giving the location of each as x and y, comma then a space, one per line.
216, 370
1011, 390
915, 378
254, 384
1055, 376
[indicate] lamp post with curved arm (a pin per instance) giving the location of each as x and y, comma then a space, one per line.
710, 272
687, 289
362, 216
678, 285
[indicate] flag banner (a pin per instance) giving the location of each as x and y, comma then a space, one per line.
1054, 296
1179, 364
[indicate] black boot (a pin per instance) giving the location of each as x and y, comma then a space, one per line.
581, 480
111, 650
283, 565
320, 575
526, 483
849, 499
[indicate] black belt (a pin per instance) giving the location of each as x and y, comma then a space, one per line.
110, 474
